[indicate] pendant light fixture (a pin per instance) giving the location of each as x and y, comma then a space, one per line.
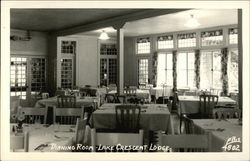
103, 36
192, 22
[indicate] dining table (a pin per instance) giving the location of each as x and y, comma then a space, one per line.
159, 91
80, 101
191, 104
226, 134
140, 93
153, 117
48, 138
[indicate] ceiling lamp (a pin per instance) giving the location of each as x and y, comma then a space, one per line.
192, 22
103, 36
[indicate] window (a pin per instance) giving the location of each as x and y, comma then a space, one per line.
67, 73
210, 38
233, 70
210, 70
108, 64
233, 36
108, 49
18, 77
165, 42
185, 69
143, 46
68, 47
143, 71
165, 69
38, 75
186, 40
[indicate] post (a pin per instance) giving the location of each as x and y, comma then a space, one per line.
120, 57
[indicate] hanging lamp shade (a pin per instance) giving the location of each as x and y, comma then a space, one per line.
103, 36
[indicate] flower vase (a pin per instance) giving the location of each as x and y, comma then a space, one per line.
19, 127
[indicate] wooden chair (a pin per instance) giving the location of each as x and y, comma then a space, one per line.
226, 113
67, 115
121, 99
34, 114
20, 141
66, 102
186, 142
207, 104
114, 139
189, 125
127, 117
80, 130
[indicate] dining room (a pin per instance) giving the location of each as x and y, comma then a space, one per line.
141, 80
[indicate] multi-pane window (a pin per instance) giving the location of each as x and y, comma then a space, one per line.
185, 70
66, 73
108, 49
210, 38
112, 71
165, 42
108, 64
38, 77
18, 77
68, 47
165, 69
210, 70
186, 40
143, 46
233, 70
143, 71
233, 36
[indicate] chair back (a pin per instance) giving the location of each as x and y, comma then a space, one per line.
67, 115
66, 101
34, 114
127, 117
207, 104
189, 125
130, 91
113, 139
226, 113
20, 141
80, 130
186, 142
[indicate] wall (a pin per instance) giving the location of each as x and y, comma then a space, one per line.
87, 61
38, 45
130, 62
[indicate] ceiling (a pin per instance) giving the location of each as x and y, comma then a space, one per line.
175, 22
59, 19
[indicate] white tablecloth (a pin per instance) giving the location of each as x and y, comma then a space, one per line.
140, 93
153, 117
221, 131
55, 136
158, 92
191, 104
86, 101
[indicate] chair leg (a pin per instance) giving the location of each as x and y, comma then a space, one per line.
180, 122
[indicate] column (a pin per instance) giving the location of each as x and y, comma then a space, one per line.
120, 57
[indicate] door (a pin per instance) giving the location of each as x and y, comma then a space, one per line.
27, 78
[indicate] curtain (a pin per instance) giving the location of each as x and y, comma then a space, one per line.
154, 68
174, 71
197, 68
224, 76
